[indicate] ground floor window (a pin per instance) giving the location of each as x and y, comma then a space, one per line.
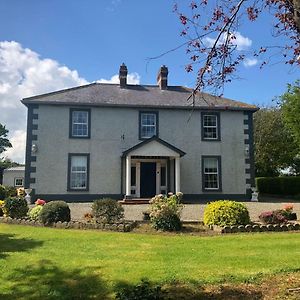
78, 171
211, 173
18, 182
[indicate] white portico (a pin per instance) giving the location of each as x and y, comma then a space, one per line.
151, 167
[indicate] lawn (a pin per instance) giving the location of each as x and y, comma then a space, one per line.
47, 263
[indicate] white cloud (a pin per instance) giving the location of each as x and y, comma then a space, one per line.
250, 62
132, 78
22, 74
242, 42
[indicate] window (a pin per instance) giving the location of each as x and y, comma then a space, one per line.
148, 124
210, 126
211, 170
18, 182
80, 123
78, 172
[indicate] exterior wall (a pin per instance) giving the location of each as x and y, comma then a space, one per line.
10, 175
114, 130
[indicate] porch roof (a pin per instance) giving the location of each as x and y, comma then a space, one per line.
154, 147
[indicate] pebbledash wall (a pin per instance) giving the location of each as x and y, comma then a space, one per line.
114, 130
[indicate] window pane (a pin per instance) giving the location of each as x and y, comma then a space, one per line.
148, 125
133, 176
79, 123
78, 172
211, 173
210, 126
163, 176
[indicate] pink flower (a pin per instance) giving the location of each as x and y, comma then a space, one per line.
40, 202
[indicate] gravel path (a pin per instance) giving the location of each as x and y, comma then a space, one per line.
190, 212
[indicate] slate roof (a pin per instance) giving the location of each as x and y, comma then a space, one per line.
104, 94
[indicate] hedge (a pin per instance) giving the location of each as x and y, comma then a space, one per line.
289, 186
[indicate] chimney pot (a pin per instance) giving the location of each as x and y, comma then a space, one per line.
123, 75
162, 77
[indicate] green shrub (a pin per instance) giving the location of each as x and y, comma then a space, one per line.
1, 207
165, 212
55, 211
226, 212
142, 291
35, 212
7, 191
15, 207
107, 210
288, 186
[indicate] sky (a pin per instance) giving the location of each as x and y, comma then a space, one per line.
52, 44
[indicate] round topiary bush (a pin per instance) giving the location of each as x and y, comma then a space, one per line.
15, 207
226, 212
107, 210
35, 212
55, 211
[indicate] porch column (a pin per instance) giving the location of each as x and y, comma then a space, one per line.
128, 176
177, 174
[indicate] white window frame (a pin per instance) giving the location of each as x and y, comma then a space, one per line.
210, 126
15, 181
74, 172
146, 125
217, 173
80, 123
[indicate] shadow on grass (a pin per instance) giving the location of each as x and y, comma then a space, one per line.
47, 281
182, 291
9, 243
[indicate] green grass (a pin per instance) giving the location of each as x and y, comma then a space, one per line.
58, 264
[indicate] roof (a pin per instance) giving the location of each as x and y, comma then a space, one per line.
20, 168
156, 139
104, 94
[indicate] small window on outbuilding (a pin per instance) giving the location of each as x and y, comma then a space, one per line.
19, 182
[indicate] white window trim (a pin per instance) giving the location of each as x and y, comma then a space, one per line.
210, 126
81, 123
146, 125
18, 178
212, 173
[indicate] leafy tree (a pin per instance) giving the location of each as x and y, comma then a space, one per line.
4, 141
275, 146
290, 105
210, 29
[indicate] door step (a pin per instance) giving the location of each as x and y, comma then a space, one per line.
134, 201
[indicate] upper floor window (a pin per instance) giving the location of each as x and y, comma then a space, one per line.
148, 124
210, 126
80, 123
78, 171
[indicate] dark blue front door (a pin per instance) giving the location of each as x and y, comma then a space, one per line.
148, 179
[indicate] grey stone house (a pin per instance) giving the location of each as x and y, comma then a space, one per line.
135, 141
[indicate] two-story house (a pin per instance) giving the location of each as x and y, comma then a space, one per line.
135, 141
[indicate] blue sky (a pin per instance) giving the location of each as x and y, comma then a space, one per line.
94, 37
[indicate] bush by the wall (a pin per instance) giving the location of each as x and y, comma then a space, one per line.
55, 211
226, 213
165, 212
7, 191
286, 185
35, 212
15, 207
107, 210
2, 192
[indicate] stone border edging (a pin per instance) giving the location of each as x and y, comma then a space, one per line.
257, 228
120, 226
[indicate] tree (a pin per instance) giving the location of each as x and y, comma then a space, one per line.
4, 141
290, 105
211, 30
275, 147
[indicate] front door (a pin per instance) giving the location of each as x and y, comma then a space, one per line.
148, 179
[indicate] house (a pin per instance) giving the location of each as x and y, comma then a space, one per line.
135, 141
14, 176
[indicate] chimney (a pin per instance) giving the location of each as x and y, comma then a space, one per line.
162, 78
123, 76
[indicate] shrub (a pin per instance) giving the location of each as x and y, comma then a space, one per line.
273, 217
142, 291
15, 207
107, 210
289, 186
1, 207
165, 212
226, 213
3, 194
35, 212
7, 191
55, 211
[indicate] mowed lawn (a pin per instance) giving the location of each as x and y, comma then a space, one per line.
58, 264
